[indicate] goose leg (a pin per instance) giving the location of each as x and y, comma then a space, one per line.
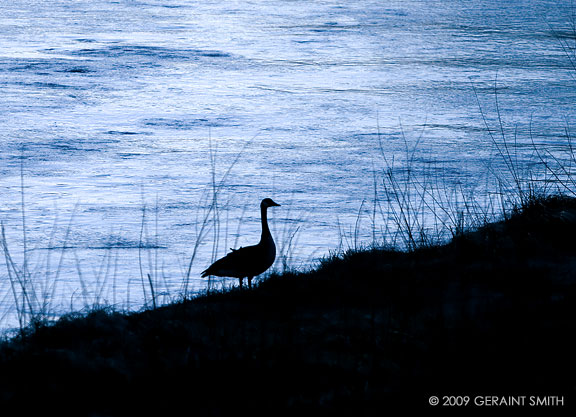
250, 282
241, 279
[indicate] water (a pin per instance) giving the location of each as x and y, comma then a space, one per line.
112, 112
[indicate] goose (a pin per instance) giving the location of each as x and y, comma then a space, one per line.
248, 261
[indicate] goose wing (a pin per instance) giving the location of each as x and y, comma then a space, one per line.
239, 263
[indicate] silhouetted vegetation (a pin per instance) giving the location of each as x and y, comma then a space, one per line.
489, 313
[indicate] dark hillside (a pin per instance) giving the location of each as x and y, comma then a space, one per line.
490, 313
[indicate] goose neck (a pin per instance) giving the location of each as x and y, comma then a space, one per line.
265, 229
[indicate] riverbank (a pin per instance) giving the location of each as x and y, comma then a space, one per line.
488, 314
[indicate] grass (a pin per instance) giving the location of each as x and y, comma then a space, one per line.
489, 311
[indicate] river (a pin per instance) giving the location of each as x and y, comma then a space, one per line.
119, 120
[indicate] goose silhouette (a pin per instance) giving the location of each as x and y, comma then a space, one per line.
248, 261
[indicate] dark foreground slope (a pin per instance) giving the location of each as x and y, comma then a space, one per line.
493, 313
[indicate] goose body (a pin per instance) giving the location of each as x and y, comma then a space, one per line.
248, 261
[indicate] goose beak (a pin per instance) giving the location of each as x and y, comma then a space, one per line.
274, 204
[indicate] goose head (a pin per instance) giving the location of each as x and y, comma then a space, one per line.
268, 202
